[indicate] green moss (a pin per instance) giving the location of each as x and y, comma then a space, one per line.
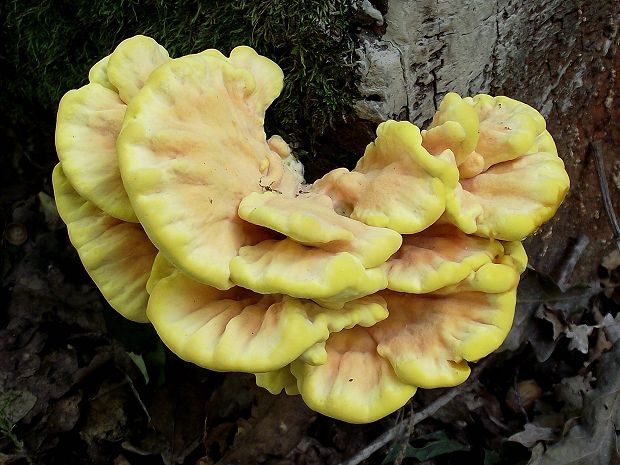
49, 45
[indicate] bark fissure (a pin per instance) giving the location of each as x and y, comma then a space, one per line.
405, 74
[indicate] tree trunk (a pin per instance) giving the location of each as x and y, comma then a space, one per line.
560, 57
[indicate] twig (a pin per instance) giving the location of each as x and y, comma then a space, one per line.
137, 396
572, 254
596, 148
409, 433
400, 428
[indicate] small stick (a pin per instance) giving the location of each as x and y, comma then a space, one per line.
137, 396
571, 256
400, 428
596, 148
409, 432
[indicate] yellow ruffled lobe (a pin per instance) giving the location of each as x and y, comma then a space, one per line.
117, 255
544, 143
454, 128
277, 381
161, 269
438, 257
519, 195
99, 74
397, 184
512, 181
190, 149
268, 75
275, 266
88, 122
326, 257
515, 256
132, 62
311, 220
238, 330
482, 131
429, 338
355, 384
507, 128
463, 210
500, 275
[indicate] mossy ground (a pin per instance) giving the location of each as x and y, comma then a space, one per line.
47, 48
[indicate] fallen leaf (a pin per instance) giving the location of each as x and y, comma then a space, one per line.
611, 261
15, 405
555, 317
105, 414
532, 434
572, 390
611, 326
539, 294
64, 414
593, 441
541, 341
276, 433
578, 335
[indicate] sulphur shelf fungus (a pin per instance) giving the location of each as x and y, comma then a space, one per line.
352, 291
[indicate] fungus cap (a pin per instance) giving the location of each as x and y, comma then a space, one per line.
132, 62
268, 75
512, 181
117, 255
356, 384
191, 147
397, 184
90, 118
331, 277
278, 380
429, 338
443, 256
99, 74
239, 330
310, 219
88, 121
325, 255
426, 342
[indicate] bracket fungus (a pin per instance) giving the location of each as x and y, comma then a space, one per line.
353, 291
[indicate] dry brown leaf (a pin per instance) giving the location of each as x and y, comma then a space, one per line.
532, 434
572, 390
579, 337
594, 440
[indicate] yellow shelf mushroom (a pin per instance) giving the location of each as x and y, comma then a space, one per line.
117, 255
397, 184
511, 179
90, 118
353, 291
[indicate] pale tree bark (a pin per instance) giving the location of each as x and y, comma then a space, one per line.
559, 56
